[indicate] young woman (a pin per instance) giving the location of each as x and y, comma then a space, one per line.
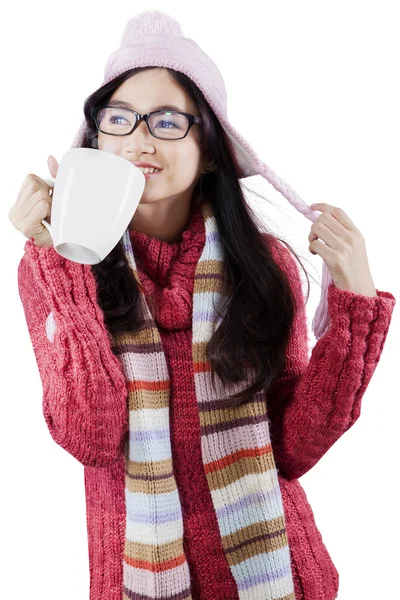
177, 369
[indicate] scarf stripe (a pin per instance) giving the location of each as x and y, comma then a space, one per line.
237, 458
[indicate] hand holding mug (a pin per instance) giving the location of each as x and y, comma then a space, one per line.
33, 205
94, 197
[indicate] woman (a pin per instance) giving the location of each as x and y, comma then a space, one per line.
177, 371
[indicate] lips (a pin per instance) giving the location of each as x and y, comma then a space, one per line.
144, 165
142, 169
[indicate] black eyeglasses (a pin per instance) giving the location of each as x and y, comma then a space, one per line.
162, 124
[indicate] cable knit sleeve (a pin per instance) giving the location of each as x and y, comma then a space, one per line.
317, 399
84, 389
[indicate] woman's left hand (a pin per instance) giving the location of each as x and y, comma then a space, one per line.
344, 250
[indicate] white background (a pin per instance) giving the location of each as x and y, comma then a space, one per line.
313, 86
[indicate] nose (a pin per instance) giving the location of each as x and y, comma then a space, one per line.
139, 135
141, 125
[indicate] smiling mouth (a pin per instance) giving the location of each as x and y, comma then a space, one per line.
149, 171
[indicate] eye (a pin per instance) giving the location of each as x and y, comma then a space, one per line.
112, 119
165, 122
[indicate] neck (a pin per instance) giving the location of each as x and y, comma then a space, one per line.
163, 220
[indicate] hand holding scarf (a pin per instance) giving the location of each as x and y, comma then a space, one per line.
344, 250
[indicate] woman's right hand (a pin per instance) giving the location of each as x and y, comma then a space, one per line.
34, 204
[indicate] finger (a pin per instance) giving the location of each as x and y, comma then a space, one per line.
52, 165
323, 250
28, 188
337, 213
41, 210
32, 223
29, 205
331, 223
326, 235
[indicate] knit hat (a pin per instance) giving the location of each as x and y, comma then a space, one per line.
153, 38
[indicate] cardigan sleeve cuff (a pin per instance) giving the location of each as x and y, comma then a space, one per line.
362, 312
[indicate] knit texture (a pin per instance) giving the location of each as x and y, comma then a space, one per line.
167, 271
236, 453
310, 406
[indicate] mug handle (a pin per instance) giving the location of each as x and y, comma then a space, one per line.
50, 182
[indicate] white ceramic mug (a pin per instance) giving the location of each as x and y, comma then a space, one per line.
94, 198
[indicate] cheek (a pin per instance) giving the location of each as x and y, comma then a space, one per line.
188, 157
107, 144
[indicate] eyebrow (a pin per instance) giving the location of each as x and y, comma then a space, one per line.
127, 105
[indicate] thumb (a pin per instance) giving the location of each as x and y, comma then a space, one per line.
53, 165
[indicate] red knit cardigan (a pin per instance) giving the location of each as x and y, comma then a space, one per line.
312, 403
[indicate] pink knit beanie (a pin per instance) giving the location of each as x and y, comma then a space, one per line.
153, 38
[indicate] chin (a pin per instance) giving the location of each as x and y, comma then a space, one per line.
144, 200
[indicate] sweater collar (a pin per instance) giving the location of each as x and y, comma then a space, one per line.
167, 272
157, 258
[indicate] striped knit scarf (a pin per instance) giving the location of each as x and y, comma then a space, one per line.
237, 458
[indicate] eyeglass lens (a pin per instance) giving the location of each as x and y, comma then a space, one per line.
163, 124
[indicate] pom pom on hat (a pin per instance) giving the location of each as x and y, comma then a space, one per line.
147, 23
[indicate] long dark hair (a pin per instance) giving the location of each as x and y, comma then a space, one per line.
260, 305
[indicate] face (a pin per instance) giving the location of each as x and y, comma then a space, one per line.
180, 161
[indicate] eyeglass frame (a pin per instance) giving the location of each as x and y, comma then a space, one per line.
193, 120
